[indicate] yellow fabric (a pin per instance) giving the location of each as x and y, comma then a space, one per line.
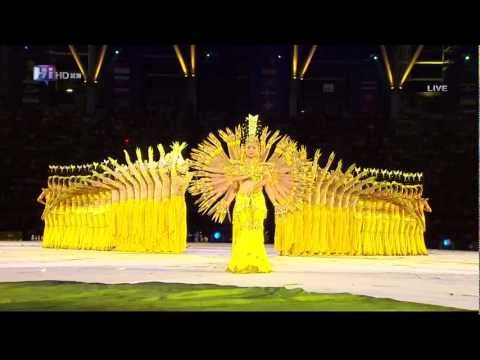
248, 249
372, 227
153, 226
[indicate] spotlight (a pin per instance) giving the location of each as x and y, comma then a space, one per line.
26, 47
279, 56
69, 90
302, 111
208, 55
446, 243
217, 235
375, 57
467, 57
117, 52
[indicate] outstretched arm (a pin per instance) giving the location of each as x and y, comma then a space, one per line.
143, 168
42, 196
225, 203
117, 175
127, 175
272, 195
105, 182
133, 169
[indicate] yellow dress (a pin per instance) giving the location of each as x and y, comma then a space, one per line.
298, 240
248, 249
181, 219
315, 229
279, 242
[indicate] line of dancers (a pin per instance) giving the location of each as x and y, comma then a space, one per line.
138, 206
348, 213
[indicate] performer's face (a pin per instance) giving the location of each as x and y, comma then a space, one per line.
251, 150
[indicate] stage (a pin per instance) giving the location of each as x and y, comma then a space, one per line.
448, 278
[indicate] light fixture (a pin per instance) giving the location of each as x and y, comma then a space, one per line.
181, 61
99, 64
446, 243
25, 47
192, 58
279, 56
307, 62
69, 90
208, 55
375, 57
388, 68
295, 62
302, 111
410, 65
432, 62
467, 57
117, 52
78, 61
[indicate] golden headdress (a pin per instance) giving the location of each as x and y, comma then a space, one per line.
251, 129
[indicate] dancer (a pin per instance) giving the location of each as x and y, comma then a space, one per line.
113, 206
242, 174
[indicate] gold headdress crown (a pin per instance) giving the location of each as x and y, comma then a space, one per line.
251, 129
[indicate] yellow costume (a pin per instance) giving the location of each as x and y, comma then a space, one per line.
248, 249
135, 207
342, 213
140, 206
241, 174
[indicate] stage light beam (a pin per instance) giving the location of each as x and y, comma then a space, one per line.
295, 62
307, 62
388, 68
100, 62
432, 62
192, 59
410, 65
77, 61
181, 60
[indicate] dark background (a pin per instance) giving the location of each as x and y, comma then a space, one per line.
142, 98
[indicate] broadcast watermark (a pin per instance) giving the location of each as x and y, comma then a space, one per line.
437, 88
49, 73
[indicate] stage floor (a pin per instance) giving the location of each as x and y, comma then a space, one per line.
448, 278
